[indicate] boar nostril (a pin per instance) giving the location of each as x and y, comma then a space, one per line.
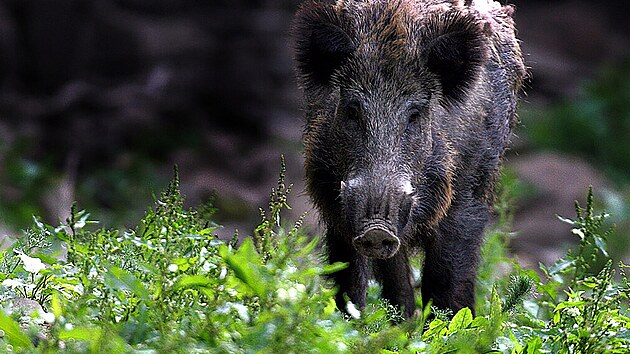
387, 243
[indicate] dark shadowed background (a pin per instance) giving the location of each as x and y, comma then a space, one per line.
99, 99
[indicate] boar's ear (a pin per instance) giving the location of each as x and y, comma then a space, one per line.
321, 42
456, 52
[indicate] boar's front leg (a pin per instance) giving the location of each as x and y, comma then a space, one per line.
451, 257
351, 281
394, 275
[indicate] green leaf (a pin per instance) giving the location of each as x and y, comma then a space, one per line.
330, 307
561, 265
193, 281
569, 304
183, 264
14, 333
62, 236
246, 265
207, 231
120, 279
461, 320
310, 246
333, 268
436, 329
556, 317
48, 259
55, 304
534, 345
550, 289
479, 322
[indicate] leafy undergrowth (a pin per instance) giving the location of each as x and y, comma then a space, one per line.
170, 285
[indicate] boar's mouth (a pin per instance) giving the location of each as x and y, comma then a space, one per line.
377, 240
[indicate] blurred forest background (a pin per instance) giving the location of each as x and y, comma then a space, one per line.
100, 98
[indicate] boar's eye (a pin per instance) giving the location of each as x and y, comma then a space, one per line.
353, 112
414, 115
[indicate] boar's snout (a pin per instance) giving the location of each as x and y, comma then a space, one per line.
377, 242
378, 211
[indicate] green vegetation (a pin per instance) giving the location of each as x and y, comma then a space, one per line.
169, 285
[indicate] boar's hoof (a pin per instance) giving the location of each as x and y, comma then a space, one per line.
377, 243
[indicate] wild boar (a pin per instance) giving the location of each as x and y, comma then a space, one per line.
410, 106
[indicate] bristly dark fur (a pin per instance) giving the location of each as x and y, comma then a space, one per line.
410, 106
455, 52
322, 42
